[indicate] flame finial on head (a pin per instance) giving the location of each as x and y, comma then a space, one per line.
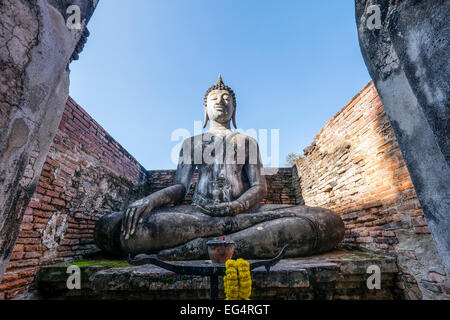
219, 81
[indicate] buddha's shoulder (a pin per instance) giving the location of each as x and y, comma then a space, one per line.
242, 137
193, 138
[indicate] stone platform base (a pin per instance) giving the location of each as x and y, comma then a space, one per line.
335, 275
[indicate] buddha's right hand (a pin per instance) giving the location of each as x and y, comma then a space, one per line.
135, 214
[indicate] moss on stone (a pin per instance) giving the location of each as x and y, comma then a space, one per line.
364, 255
106, 263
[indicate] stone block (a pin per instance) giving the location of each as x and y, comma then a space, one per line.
335, 275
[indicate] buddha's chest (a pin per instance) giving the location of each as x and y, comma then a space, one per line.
221, 182
210, 150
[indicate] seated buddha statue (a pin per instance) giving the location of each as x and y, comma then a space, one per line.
226, 202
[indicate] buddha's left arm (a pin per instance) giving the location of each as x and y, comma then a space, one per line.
255, 194
258, 187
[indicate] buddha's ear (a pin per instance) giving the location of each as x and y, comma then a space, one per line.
234, 118
206, 119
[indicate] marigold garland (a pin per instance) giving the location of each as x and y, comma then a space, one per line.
237, 281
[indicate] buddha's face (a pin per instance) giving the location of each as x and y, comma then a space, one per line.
219, 106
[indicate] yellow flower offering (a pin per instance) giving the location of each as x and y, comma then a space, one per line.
237, 281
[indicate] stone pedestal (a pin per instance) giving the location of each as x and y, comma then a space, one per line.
336, 275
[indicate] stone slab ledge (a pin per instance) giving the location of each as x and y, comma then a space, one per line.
339, 274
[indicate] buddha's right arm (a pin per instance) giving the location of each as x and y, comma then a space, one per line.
182, 182
167, 196
176, 193
139, 209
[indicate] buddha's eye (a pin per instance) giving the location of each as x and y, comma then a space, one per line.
213, 98
225, 97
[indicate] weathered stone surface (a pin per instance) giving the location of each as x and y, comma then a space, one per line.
425, 266
407, 57
36, 47
328, 276
181, 232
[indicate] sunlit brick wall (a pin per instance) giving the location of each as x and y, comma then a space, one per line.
355, 167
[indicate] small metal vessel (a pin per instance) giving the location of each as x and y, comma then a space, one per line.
220, 249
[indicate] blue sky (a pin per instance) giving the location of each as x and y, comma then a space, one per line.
293, 64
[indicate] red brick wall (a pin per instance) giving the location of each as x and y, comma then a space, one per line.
86, 174
355, 167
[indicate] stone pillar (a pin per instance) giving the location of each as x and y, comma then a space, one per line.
36, 46
405, 47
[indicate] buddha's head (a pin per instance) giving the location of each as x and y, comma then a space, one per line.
220, 104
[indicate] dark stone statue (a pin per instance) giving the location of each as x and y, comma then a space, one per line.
226, 201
